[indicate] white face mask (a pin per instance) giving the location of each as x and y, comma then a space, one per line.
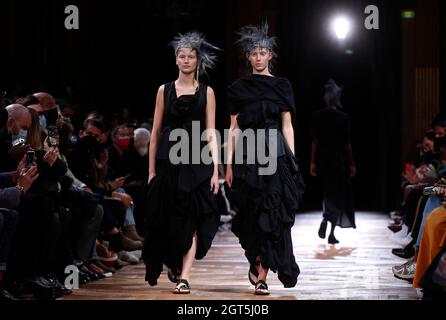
142, 151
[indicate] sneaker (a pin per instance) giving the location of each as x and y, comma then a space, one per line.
93, 267
120, 242
128, 257
105, 254
404, 241
401, 233
402, 266
406, 273
119, 264
137, 254
106, 266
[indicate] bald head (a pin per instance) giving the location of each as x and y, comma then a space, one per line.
19, 118
45, 100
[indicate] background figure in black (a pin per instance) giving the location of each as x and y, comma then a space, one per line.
182, 216
332, 161
266, 203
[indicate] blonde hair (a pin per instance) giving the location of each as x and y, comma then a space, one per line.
34, 137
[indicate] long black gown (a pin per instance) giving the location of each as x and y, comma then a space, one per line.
331, 130
179, 199
266, 204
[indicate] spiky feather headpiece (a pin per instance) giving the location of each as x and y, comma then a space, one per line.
205, 51
252, 37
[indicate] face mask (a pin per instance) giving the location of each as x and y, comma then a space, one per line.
123, 143
42, 121
21, 135
142, 151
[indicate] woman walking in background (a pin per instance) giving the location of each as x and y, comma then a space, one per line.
332, 162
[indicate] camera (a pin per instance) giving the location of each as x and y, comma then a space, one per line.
29, 159
432, 190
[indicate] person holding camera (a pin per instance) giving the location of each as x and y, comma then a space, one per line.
13, 186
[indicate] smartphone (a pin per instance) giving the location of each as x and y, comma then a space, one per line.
29, 159
53, 136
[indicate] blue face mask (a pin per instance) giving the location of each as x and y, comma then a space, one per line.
23, 134
42, 122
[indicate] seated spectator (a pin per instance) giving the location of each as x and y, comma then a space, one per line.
12, 187
15, 128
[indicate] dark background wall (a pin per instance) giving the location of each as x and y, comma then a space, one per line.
120, 56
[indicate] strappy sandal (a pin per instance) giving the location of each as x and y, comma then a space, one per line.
173, 277
253, 274
182, 287
261, 288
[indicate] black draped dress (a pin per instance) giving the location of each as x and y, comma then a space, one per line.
266, 204
331, 130
179, 198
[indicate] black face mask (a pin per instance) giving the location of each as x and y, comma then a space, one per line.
92, 145
51, 117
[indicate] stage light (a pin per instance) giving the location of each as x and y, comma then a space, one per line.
341, 27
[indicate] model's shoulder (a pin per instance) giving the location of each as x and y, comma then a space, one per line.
210, 90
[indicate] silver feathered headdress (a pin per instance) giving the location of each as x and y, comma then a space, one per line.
205, 51
252, 37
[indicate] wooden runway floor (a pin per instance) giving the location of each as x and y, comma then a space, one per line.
358, 268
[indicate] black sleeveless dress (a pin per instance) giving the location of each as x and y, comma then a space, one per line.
179, 197
266, 204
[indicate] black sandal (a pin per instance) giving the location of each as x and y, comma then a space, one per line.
182, 287
261, 288
252, 272
173, 277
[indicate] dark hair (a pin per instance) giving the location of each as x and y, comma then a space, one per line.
116, 129
440, 123
430, 135
96, 121
27, 101
439, 143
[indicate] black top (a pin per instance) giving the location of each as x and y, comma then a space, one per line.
181, 113
272, 93
259, 101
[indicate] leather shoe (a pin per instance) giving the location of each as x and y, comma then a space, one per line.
40, 288
5, 295
405, 253
60, 288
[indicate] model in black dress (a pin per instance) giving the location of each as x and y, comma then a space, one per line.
332, 161
182, 217
266, 204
